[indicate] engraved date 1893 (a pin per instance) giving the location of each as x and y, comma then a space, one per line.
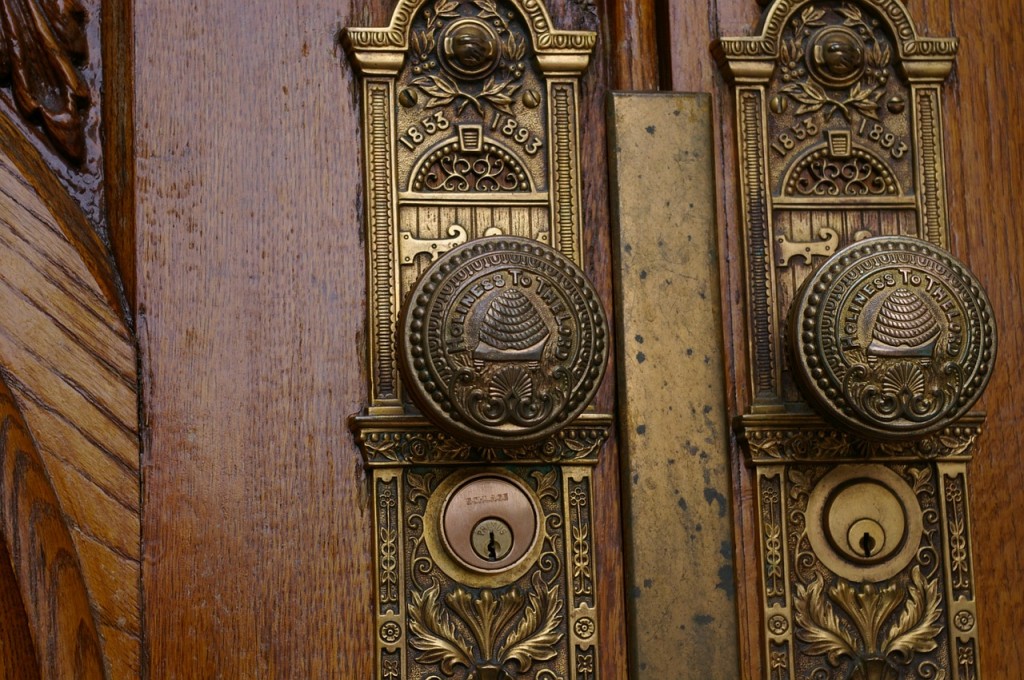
517, 132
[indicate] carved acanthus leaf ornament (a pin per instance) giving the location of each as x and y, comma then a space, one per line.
42, 42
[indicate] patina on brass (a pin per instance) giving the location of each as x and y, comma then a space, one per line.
674, 428
502, 341
862, 511
471, 142
892, 337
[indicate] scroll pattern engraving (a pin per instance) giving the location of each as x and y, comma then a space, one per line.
824, 176
491, 170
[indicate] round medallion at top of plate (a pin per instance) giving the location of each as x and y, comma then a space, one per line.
836, 57
892, 338
469, 48
502, 342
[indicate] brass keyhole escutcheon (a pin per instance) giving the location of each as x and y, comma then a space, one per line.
867, 523
489, 523
492, 539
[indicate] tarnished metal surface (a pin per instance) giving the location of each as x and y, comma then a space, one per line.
892, 338
481, 461
503, 342
865, 546
674, 427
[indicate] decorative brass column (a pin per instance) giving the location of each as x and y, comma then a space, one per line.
868, 345
486, 343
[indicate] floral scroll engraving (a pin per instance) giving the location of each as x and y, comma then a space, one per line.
854, 624
487, 633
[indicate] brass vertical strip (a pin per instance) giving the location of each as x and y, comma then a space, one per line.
381, 227
580, 568
932, 190
778, 620
674, 427
564, 158
961, 612
757, 248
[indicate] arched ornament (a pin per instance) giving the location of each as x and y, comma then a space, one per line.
750, 59
383, 49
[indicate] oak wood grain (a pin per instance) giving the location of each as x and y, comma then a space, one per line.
68, 359
250, 318
118, 53
17, 651
53, 590
250, 301
984, 158
984, 152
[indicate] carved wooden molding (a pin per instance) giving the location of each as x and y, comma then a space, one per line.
43, 43
68, 359
44, 556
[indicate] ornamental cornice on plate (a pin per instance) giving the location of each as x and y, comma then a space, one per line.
412, 440
752, 59
778, 439
382, 50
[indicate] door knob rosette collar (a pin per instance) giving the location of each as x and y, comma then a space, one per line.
892, 338
502, 342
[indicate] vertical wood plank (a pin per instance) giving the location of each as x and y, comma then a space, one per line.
250, 314
984, 158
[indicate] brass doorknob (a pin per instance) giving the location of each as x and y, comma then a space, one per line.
502, 342
892, 338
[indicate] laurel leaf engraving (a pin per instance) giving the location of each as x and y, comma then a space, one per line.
535, 637
916, 629
439, 88
434, 634
818, 624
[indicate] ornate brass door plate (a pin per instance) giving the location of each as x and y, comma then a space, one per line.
486, 343
860, 427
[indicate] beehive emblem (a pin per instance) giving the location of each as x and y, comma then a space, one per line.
512, 329
905, 327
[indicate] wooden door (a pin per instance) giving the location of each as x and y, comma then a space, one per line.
205, 255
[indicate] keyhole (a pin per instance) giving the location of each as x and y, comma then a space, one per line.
866, 540
492, 540
492, 549
867, 544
